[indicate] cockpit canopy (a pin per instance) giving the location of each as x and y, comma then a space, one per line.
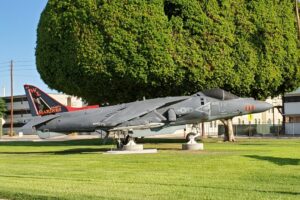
217, 94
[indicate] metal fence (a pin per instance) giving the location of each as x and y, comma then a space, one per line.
254, 130
292, 128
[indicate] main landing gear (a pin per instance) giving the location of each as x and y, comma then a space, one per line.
128, 142
127, 145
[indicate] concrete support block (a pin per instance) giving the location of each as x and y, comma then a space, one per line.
192, 146
135, 147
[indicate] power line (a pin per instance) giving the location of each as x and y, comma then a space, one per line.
7, 69
25, 65
17, 70
17, 61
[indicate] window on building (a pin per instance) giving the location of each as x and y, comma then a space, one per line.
210, 124
255, 121
279, 121
258, 121
243, 122
239, 121
215, 123
269, 121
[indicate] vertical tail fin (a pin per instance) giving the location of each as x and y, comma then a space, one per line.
41, 103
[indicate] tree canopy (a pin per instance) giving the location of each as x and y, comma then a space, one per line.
2, 107
119, 50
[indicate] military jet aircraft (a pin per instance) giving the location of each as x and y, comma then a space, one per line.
140, 118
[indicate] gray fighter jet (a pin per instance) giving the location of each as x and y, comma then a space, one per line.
139, 118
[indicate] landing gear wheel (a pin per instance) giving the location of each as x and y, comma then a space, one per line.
189, 136
192, 144
126, 140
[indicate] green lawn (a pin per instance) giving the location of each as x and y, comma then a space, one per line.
248, 169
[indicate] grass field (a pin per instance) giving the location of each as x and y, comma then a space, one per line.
248, 169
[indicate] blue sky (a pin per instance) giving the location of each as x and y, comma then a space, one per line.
18, 24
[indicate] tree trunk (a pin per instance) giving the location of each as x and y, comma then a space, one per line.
229, 134
297, 16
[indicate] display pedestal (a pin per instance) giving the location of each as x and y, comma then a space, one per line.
192, 146
133, 147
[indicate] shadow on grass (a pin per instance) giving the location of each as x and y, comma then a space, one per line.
24, 196
255, 144
276, 160
57, 143
63, 152
159, 140
83, 142
214, 187
168, 149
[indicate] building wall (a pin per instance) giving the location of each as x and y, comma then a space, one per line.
292, 108
292, 112
68, 100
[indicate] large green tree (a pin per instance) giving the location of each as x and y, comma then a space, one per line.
122, 50
119, 50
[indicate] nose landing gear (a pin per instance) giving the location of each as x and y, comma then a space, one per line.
192, 144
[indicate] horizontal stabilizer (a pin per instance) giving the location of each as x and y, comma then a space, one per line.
37, 121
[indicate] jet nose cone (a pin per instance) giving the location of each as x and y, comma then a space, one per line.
262, 106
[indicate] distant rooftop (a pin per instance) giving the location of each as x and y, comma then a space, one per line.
294, 93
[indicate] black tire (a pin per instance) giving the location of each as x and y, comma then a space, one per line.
188, 136
126, 140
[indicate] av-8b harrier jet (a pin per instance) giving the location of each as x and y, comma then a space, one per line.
137, 119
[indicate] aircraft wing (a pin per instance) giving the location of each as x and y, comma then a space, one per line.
138, 109
150, 120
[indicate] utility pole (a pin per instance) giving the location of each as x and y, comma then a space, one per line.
11, 132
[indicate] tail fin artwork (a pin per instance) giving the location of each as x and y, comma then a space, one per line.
41, 103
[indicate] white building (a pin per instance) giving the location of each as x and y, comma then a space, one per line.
292, 112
